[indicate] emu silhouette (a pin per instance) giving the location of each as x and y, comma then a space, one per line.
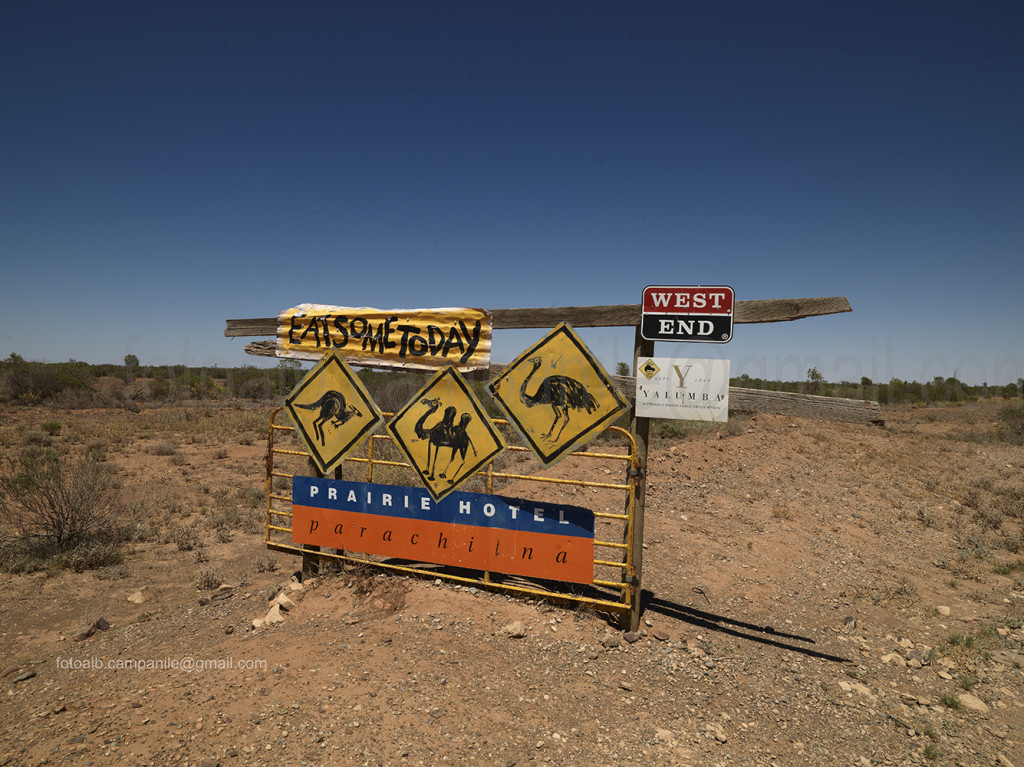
332, 408
562, 393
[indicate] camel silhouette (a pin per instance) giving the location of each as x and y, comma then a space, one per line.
445, 433
460, 440
561, 392
332, 407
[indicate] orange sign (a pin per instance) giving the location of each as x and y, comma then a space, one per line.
485, 532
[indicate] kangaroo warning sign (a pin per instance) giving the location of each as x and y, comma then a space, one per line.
332, 411
687, 313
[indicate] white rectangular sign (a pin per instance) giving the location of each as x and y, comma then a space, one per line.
684, 389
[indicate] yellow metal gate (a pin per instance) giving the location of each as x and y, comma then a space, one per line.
610, 493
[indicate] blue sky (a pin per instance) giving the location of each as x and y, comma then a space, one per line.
166, 167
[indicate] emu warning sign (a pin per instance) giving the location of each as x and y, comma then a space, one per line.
687, 313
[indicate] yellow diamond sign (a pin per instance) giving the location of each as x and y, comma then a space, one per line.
332, 411
557, 395
650, 369
445, 432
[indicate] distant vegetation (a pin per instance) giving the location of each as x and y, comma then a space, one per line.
939, 391
75, 384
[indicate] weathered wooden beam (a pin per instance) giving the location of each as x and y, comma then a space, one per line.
805, 406
620, 315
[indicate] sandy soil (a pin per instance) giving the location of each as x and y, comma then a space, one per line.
816, 594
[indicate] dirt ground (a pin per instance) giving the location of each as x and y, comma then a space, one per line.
816, 594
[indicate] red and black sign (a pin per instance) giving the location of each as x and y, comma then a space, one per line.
687, 313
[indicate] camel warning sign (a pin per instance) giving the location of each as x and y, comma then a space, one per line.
445, 432
557, 395
332, 412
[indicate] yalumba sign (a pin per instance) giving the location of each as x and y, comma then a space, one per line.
687, 313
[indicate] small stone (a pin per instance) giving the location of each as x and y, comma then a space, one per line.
610, 640
661, 636
274, 616
284, 602
632, 636
24, 676
514, 630
139, 596
100, 624
973, 703
942, 610
624, 685
258, 623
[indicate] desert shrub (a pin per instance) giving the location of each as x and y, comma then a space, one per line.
96, 448
31, 382
164, 448
51, 427
47, 496
36, 437
185, 537
209, 578
1011, 425
266, 563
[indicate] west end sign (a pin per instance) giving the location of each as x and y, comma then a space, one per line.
687, 313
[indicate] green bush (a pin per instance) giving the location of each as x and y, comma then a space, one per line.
63, 512
50, 427
33, 382
1011, 424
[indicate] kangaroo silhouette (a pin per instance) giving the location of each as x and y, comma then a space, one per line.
332, 408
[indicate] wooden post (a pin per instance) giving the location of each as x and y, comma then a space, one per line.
312, 562
640, 429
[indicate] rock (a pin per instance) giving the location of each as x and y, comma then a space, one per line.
25, 675
274, 616
973, 703
100, 624
661, 636
664, 736
610, 640
514, 630
258, 623
284, 602
632, 636
140, 595
624, 685
293, 586
942, 610
8, 671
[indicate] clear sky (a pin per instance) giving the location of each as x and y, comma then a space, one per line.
167, 166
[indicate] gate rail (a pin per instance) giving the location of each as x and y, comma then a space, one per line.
605, 592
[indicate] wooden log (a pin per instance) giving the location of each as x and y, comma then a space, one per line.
620, 315
805, 406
